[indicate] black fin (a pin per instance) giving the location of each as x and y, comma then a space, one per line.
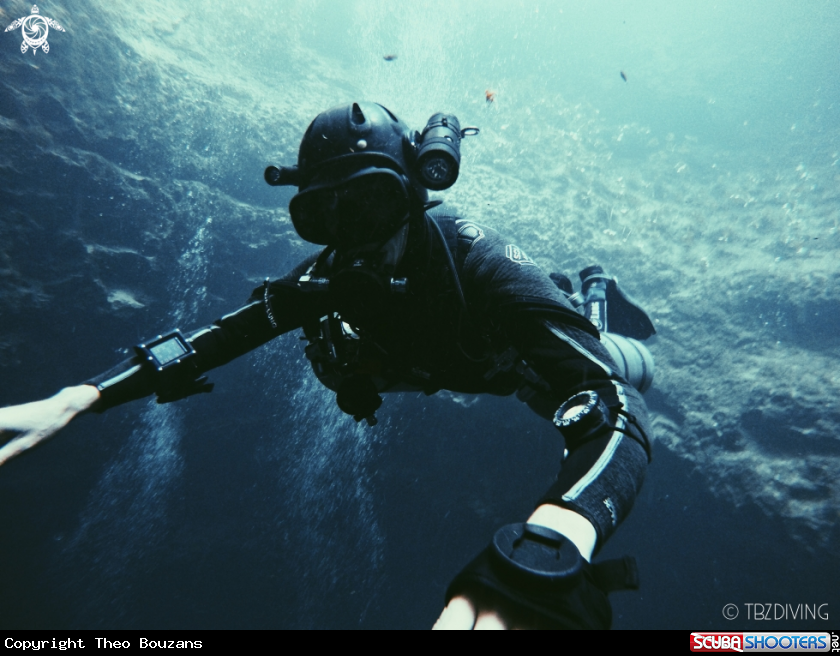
625, 316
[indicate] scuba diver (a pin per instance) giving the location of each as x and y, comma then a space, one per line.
408, 296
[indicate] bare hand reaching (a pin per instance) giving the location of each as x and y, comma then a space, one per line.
466, 612
481, 610
29, 424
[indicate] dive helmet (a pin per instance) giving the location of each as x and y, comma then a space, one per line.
362, 172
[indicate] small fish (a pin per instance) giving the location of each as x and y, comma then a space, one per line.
623, 76
489, 96
389, 57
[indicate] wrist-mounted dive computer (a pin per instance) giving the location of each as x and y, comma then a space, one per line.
174, 360
165, 352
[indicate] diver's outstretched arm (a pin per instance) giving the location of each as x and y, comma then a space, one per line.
539, 574
271, 311
29, 424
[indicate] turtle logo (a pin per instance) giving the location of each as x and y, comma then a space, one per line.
35, 29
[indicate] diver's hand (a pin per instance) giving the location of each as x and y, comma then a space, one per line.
474, 612
481, 610
30, 424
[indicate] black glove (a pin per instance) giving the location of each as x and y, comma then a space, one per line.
542, 572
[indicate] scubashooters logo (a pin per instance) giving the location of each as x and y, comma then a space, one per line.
793, 641
35, 29
516, 254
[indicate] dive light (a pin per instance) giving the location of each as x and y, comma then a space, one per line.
439, 151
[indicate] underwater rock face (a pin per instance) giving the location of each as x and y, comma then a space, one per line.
132, 201
741, 281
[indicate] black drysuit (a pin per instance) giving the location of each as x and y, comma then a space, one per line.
517, 333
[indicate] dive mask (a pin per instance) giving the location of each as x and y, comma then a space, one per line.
367, 207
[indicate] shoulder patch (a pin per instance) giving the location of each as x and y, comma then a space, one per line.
516, 254
470, 231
